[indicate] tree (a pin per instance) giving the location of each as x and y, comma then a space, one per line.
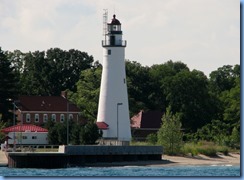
137, 78
89, 133
75, 134
158, 76
8, 87
235, 138
224, 78
2, 135
216, 131
50, 72
66, 67
170, 135
187, 93
152, 138
232, 105
87, 94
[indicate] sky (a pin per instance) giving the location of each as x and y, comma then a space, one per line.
204, 34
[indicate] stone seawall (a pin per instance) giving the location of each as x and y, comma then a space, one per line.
107, 150
72, 156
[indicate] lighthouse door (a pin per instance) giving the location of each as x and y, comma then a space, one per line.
112, 38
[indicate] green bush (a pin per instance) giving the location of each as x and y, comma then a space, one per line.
189, 148
207, 150
223, 149
152, 138
203, 147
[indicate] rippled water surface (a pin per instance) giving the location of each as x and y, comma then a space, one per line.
225, 170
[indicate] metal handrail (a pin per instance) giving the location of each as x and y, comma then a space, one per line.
114, 43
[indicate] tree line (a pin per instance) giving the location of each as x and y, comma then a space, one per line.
208, 107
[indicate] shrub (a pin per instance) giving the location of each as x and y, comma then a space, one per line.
223, 149
203, 147
152, 138
169, 134
189, 148
207, 150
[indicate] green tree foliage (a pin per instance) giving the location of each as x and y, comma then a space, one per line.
50, 72
87, 95
8, 86
224, 78
232, 105
235, 138
89, 133
2, 135
16, 59
187, 93
78, 133
216, 131
225, 87
170, 135
159, 75
137, 83
152, 138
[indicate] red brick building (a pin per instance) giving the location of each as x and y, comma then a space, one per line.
39, 109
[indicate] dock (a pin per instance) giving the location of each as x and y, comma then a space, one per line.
80, 156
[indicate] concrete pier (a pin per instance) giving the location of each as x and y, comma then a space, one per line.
3, 159
73, 156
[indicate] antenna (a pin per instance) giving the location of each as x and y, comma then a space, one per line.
105, 20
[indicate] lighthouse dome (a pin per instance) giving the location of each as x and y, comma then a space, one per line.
115, 21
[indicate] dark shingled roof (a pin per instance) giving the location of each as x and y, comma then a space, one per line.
149, 119
45, 103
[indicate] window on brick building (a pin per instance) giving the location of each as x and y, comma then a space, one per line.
62, 118
53, 117
36, 117
27, 118
70, 116
45, 117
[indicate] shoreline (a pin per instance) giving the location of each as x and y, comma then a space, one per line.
232, 159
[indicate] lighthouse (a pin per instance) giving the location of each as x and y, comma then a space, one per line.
113, 109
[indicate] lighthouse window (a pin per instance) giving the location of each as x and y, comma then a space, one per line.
109, 51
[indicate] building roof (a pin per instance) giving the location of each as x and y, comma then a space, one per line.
24, 128
45, 103
115, 21
149, 119
102, 125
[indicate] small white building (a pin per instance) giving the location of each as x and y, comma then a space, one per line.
26, 135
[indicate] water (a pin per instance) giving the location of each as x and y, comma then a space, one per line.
223, 170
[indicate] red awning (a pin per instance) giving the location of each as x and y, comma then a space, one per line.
24, 128
102, 125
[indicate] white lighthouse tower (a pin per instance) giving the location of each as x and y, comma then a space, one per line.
113, 110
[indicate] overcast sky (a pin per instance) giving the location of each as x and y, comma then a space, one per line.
204, 34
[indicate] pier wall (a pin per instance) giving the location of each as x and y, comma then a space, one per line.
72, 156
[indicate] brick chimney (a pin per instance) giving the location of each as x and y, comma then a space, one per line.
64, 94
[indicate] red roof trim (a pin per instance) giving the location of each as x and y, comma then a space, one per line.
102, 125
24, 128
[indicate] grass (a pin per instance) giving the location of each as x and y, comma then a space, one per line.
46, 150
203, 147
139, 143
